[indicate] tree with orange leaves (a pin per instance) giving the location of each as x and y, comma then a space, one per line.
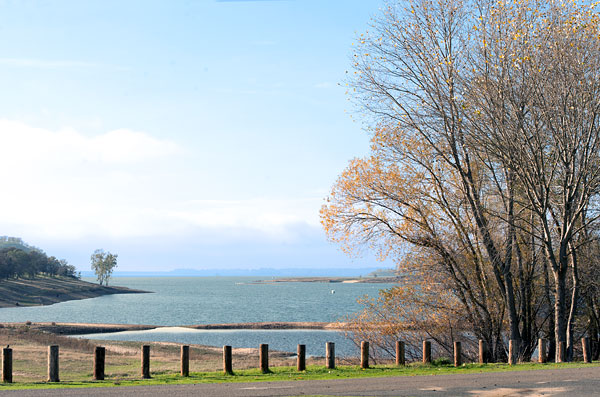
485, 156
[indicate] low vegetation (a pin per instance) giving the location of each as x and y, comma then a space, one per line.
123, 364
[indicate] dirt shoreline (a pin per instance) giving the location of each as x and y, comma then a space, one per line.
88, 328
271, 325
41, 290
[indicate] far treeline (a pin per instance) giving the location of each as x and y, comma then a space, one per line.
483, 180
18, 260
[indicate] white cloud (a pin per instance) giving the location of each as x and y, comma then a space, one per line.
270, 216
63, 183
123, 183
26, 146
126, 146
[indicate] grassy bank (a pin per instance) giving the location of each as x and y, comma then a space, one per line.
46, 290
123, 364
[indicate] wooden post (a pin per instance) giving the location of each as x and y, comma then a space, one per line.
227, 361
400, 360
301, 363
542, 355
512, 352
457, 354
426, 352
587, 354
263, 357
146, 362
483, 354
53, 364
185, 360
561, 350
364, 355
330, 355
99, 358
7, 365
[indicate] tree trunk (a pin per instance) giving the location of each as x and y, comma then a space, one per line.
550, 330
573, 308
560, 321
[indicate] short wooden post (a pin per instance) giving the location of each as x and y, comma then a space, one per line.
483, 354
99, 359
400, 359
426, 352
263, 357
53, 364
512, 352
7, 365
561, 351
301, 362
457, 354
587, 354
364, 355
330, 355
146, 362
227, 360
542, 355
185, 360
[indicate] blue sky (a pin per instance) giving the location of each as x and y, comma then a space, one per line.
179, 134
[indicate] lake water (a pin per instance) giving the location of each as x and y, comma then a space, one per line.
180, 301
282, 340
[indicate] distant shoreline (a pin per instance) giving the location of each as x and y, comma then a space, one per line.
90, 328
345, 280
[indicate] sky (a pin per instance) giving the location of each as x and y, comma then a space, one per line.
178, 134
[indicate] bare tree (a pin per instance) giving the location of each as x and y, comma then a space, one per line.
535, 107
485, 153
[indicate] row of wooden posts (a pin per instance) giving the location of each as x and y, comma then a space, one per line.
263, 354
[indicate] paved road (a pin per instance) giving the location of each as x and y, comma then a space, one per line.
572, 382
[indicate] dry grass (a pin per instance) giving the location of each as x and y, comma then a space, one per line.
46, 290
30, 352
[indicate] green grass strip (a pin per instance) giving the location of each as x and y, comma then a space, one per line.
290, 373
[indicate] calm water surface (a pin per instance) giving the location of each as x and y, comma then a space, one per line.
179, 301
282, 340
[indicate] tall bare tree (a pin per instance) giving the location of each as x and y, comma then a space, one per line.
535, 105
486, 115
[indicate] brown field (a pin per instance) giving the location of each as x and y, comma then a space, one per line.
30, 352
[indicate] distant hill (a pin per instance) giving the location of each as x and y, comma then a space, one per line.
19, 259
16, 242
